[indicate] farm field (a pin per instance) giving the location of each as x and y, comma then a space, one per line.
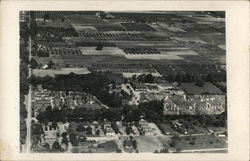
137, 27
81, 28
105, 51
110, 27
171, 29
88, 60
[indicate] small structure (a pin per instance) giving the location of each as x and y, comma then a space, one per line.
145, 129
108, 130
50, 134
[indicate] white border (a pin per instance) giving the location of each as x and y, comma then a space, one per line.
237, 31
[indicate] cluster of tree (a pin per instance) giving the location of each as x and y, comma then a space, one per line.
41, 53
194, 78
188, 121
99, 46
33, 63
153, 110
93, 83
146, 78
192, 72
115, 127
24, 83
79, 114
33, 25
24, 31
131, 113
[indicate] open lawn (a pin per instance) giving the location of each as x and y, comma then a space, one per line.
88, 60
148, 143
85, 19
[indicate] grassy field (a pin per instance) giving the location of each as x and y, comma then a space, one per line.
208, 87
148, 143
199, 142
105, 147
87, 20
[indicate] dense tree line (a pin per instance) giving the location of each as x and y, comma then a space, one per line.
24, 85
152, 110
79, 114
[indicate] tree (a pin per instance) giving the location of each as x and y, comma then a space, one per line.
134, 144
82, 138
33, 63
99, 46
97, 132
46, 17
73, 139
56, 146
149, 78
64, 135
128, 130
51, 64
80, 128
54, 125
33, 28
118, 151
89, 130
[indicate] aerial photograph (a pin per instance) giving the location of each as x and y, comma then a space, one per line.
122, 82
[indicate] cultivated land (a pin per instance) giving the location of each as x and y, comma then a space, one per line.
122, 82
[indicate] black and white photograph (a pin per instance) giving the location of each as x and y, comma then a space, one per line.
123, 82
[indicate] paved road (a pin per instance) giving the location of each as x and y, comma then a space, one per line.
28, 120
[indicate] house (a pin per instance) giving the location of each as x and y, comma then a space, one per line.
108, 130
62, 127
145, 129
70, 102
50, 134
41, 99
148, 131
127, 143
40, 106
